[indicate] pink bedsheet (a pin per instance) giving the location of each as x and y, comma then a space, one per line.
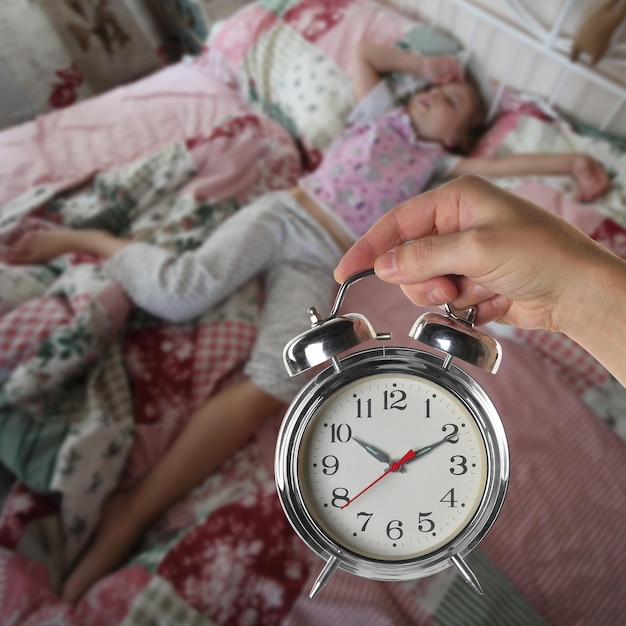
62, 149
225, 554
558, 536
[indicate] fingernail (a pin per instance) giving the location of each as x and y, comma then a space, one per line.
386, 265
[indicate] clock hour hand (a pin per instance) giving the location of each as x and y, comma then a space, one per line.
378, 454
393, 467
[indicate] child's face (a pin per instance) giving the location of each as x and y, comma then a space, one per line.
443, 112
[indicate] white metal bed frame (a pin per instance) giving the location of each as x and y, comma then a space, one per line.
526, 31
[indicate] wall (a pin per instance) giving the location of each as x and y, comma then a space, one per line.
54, 53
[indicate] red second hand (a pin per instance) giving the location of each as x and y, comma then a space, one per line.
394, 467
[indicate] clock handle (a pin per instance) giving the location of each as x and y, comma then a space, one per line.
329, 569
344, 286
468, 576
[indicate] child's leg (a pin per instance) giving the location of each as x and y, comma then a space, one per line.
299, 275
181, 287
40, 246
214, 433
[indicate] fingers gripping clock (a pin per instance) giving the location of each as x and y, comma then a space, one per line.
392, 463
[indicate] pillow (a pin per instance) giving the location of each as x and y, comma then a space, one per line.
291, 59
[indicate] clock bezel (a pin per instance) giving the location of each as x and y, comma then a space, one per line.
404, 361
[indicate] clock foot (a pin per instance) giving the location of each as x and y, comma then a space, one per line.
468, 576
325, 574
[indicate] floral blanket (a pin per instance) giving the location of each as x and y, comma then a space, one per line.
92, 390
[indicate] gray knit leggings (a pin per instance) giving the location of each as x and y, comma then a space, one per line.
275, 238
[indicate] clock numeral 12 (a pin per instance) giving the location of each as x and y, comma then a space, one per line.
395, 399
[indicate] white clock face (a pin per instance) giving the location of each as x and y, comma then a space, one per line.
379, 510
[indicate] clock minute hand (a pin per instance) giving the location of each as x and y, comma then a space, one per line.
415, 454
411, 455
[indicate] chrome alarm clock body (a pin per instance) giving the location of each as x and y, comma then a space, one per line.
392, 463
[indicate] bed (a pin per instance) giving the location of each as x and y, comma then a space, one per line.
93, 390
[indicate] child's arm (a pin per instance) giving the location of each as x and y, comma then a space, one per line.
370, 60
591, 179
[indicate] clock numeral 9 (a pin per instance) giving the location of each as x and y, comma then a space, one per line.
331, 465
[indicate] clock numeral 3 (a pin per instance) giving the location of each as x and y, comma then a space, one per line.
460, 463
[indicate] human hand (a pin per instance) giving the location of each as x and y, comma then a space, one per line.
472, 243
590, 178
440, 69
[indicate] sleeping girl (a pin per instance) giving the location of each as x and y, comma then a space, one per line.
293, 240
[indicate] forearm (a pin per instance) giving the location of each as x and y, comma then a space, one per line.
383, 58
370, 60
527, 164
595, 315
96, 242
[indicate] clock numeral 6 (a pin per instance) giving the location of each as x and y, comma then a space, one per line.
394, 530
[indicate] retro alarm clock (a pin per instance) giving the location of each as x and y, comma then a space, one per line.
392, 463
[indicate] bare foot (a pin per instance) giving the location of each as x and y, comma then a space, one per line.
40, 246
114, 538
43, 245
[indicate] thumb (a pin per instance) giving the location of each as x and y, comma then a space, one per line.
425, 258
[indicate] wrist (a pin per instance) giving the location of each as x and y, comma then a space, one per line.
593, 314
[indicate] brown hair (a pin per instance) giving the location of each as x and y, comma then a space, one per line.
477, 124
